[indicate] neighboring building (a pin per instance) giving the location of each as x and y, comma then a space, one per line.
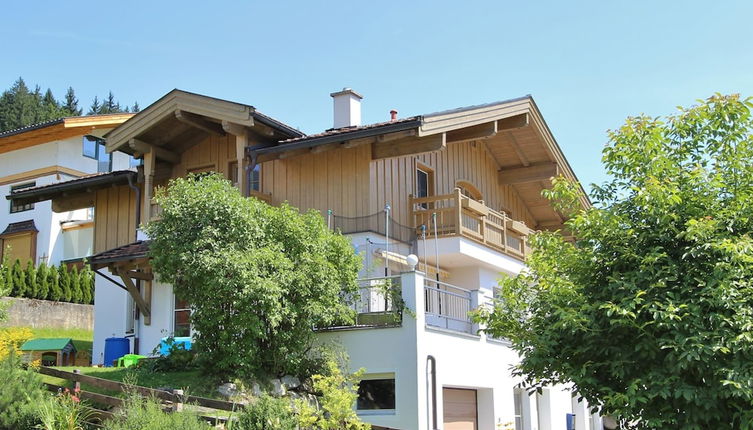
463, 191
43, 154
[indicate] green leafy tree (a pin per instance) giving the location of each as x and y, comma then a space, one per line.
43, 282
31, 280
258, 277
64, 280
648, 313
338, 393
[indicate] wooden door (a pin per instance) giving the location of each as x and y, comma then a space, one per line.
460, 409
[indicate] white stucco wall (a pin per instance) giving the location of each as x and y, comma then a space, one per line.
110, 313
65, 153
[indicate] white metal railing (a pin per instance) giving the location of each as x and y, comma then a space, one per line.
447, 306
374, 295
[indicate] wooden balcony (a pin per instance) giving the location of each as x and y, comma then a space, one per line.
458, 215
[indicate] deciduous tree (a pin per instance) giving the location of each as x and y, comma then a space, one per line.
649, 312
258, 278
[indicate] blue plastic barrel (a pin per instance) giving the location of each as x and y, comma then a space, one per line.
116, 347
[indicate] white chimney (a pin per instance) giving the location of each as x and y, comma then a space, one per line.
347, 108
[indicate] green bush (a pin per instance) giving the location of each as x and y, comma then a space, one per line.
267, 413
20, 393
47, 282
140, 413
64, 412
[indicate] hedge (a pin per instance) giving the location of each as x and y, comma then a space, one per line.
56, 283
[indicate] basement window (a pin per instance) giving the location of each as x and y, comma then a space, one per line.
376, 393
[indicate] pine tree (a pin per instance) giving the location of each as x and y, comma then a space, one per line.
43, 282
87, 285
17, 107
31, 280
95, 107
53, 276
70, 106
64, 279
135, 108
75, 285
19, 279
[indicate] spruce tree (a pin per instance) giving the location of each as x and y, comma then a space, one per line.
135, 108
95, 107
70, 105
53, 280
64, 279
31, 280
43, 282
19, 279
87, 285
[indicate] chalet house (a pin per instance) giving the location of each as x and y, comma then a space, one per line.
45, 154
441, 204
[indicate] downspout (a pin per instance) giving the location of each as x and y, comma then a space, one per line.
430, 358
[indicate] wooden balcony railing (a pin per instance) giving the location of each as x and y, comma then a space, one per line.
459, 215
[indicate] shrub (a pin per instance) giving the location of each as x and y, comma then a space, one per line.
43, 282
31, 280
338, 394
64, 280
18, 279
140, 413
56, 293
12, 338
20, 393
267, 413
75, 283
64, 412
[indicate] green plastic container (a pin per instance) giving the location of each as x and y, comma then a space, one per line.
129, 360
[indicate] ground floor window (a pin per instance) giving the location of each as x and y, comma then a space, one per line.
181, 318
376, 393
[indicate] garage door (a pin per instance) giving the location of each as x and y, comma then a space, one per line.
460, 409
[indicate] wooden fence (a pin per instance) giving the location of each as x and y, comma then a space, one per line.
173, 401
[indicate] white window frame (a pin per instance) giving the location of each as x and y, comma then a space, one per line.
374, 376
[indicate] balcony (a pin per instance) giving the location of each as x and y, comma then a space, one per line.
457, 215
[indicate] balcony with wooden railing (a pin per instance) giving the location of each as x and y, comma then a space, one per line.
457, 215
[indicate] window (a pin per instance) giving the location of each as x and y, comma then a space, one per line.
94, 147
181, 320
376, 394
519, 418
254, 180
14, 207
233, 173
424, 183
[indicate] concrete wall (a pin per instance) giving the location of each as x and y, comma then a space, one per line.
42, 313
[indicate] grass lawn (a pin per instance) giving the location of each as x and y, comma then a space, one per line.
191, 381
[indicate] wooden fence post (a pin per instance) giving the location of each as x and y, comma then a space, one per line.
77, 385
178, 400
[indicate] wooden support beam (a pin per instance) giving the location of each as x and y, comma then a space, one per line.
397, 135
144, 276
532, 173
146, 203
513, 122
134, 292
200, 122
71, 203
408, 146
234, 129
477, 132
241, 142
159, 152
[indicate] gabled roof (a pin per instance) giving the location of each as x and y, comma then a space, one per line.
55, 344
56, 129
179, 116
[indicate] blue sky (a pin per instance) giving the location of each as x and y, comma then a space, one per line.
588, 64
